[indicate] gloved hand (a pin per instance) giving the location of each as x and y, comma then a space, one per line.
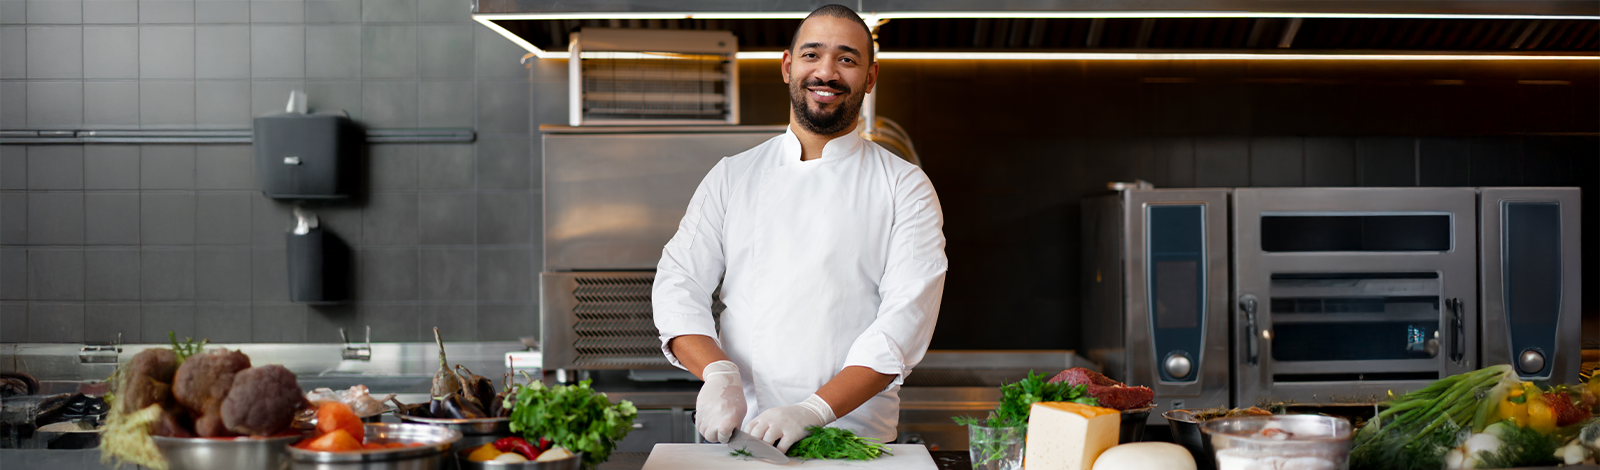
720, 407
785, 425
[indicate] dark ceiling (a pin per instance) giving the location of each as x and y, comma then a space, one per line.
1209, 34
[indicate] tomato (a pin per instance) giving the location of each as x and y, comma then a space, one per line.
336, 441
334, 415
393, 445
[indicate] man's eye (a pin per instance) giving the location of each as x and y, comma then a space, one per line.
849, 60
809, 55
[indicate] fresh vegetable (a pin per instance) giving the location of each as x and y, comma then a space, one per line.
1541, 417
836, 444
1560, 399
573, 417
741, 453
484, 453
445, 382
332, 416
555, 453
1419, 428
518, 445
510, 457
1519, 447
126, 438
187, 348
1018, 397
336, 441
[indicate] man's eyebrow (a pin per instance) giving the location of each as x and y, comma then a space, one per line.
810, 45
849, 49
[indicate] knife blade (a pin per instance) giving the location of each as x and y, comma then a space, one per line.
758, 449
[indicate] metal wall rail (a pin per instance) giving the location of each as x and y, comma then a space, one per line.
231, 136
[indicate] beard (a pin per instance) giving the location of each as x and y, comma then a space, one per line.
825, 122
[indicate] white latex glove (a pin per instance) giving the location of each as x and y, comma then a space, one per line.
720, 407
785, 425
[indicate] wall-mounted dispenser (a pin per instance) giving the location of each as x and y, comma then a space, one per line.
319, 262
307, 156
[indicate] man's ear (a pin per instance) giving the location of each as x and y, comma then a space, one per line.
872, 76
785, 64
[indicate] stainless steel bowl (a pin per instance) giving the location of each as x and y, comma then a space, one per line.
474, 432
200, 453
436, 442
1186, 432
1132, 428
575, 462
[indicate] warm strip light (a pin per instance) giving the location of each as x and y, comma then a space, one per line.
872, 18
1204, 56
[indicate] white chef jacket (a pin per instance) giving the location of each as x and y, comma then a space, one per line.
833, 262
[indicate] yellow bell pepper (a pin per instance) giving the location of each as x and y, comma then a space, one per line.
1510, 409
1541, 417
483, 453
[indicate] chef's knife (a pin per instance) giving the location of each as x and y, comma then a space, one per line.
758, 449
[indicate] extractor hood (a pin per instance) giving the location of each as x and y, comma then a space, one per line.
1136, 29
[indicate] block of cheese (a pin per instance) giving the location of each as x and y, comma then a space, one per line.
1069, 436
1145, 456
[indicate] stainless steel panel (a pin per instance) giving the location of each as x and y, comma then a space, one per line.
651, 427
1117, 326
1210, 389
1253, 269
1495, 325
611, 201
600, 320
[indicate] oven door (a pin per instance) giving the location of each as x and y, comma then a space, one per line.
1177, 295
1344, 294
1531, 270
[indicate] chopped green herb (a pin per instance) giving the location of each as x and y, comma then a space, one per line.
836, 444
742, 453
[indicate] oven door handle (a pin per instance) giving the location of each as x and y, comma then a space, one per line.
1457, 330
1247, 303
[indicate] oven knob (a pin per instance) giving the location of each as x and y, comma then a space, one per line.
1178, 365
1530, 362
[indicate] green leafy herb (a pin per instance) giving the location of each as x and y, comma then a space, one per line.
742, 453
1520, 447
836, 444
574, 417
187, 348
1017, 398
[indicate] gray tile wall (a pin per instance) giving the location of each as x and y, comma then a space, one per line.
140, 240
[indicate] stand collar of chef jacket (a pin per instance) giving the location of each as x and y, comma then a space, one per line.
839, 147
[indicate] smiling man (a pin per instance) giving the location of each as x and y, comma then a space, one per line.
830, 254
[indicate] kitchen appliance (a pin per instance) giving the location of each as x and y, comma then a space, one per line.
1156, 293
660, 77
1334, 294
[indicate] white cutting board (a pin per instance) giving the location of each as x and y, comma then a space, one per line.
715, 457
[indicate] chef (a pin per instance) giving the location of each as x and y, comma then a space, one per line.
830, 256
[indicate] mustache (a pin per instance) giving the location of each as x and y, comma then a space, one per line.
834, 84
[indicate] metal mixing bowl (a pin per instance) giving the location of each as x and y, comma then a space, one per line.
474, 432
1239, 444
201, 453
436, 442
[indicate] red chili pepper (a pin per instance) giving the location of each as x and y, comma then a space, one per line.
545, 444
518, 445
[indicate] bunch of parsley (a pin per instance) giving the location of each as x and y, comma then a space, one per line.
1016, 399
574, 417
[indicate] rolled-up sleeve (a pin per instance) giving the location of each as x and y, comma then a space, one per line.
912, 284
691, 265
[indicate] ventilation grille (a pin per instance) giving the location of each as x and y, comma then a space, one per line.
647, 86
614, 325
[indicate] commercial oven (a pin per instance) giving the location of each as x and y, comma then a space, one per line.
1332, 294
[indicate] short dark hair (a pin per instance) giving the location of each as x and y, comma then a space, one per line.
837, 11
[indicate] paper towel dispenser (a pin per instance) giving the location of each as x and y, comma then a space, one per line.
307, 156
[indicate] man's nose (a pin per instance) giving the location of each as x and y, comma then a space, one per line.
826, 72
